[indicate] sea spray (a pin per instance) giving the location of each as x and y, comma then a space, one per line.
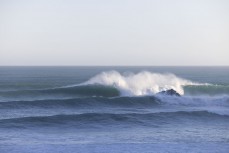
143, 83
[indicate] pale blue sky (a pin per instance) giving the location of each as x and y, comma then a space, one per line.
114, 32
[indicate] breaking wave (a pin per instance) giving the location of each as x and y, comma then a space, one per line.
114, 84
140, 84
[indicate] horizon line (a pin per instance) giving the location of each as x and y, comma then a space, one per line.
114, 65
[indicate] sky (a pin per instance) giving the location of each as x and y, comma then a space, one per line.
114, 32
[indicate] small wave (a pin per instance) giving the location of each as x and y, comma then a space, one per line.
222, 100
107, 119
84, 102
60, 93
208, 89
126, 102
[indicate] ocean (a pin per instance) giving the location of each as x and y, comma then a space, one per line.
114, 109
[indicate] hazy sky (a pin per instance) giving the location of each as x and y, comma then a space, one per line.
114, 32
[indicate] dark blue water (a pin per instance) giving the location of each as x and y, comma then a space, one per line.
114, 109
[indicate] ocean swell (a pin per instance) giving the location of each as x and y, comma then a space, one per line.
93, 120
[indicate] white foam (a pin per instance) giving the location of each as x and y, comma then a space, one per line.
143, 83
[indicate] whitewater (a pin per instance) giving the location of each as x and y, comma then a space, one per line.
143, 83
114, 109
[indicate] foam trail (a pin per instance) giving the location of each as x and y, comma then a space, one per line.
143, 83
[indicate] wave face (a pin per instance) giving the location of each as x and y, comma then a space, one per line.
60, 93
207, 90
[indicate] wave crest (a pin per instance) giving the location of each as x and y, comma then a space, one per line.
143, 83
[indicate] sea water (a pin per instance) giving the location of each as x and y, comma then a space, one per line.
114, 109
